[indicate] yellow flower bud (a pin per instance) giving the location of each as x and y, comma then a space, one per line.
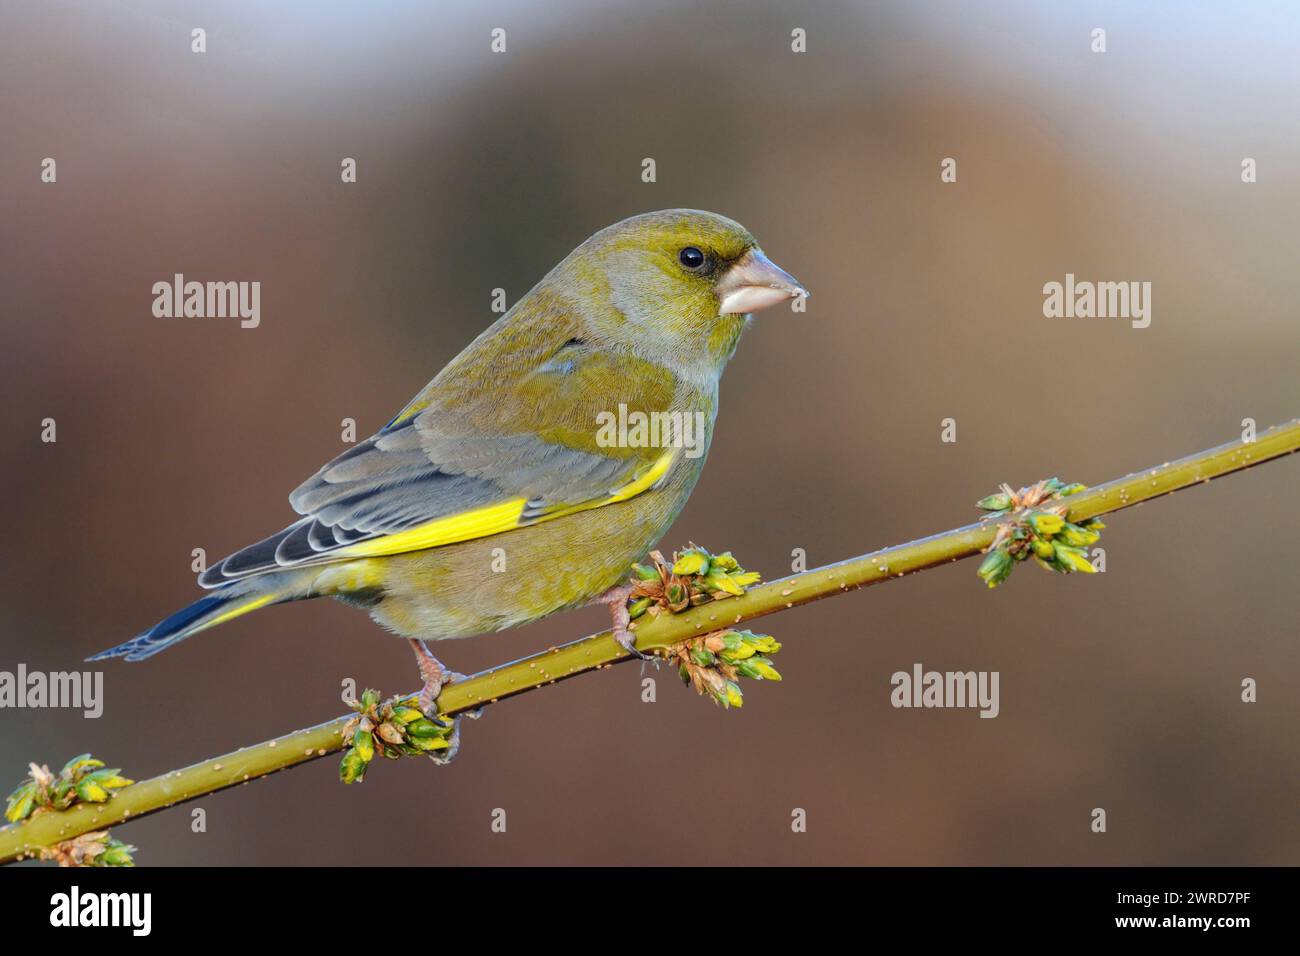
995, 568
739, 653
692, 562
364, 745
1077, 537
351, 768
1046, 523
78, 763
734, 697
1072, 559
406, 715
724, 582
21, 803
90, 791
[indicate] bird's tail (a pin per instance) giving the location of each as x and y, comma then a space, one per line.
224, 604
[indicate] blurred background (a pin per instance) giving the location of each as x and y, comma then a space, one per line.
479, 170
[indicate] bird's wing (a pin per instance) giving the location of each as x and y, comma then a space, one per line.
457, 465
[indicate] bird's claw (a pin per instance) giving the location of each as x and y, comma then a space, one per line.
627, 640
432, 690
616, 599
453, 742
435, 675
448, 755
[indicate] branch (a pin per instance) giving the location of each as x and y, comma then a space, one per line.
657, 633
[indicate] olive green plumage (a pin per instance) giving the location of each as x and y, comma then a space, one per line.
492, 499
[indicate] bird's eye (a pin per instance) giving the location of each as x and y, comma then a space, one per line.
691, 258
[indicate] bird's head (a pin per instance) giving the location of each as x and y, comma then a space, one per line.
677, 283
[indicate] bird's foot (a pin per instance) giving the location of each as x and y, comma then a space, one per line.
616, 599
448, 755
435, 675
453, 742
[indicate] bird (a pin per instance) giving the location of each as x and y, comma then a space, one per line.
500, 494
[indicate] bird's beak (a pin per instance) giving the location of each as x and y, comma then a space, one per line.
754, 282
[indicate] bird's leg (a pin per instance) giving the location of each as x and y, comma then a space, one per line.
434, 674
616, 598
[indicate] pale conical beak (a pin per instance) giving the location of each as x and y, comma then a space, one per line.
754, 282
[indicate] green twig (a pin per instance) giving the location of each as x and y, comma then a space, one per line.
660, 632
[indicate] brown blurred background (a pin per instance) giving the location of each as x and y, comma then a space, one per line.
478, 170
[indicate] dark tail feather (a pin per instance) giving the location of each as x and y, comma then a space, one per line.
222, 605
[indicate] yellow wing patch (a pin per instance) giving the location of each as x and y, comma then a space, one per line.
633, 488
478, 523
239, 610
493, 519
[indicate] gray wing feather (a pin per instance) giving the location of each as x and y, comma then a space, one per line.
412, 473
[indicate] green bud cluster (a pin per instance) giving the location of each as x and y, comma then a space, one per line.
82, 779
693, 577
116, 853
1033, 529
90, 849
714, 663
393, 729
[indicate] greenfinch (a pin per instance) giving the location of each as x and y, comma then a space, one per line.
523, 480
